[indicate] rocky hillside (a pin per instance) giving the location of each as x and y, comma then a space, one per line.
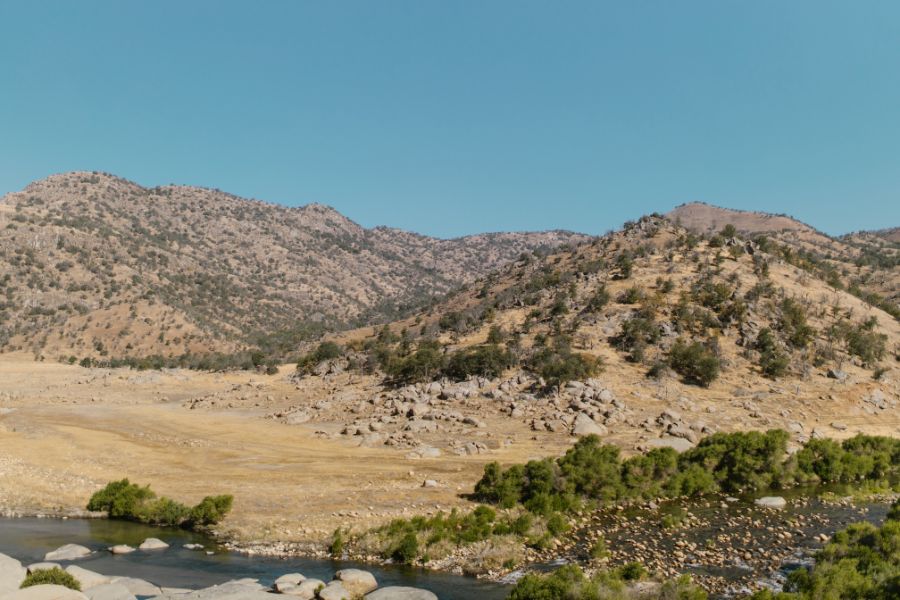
864, 262
652, 329
94, 265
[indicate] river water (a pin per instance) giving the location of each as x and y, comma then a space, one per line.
29, 539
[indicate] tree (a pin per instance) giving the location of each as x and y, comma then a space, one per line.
694, 362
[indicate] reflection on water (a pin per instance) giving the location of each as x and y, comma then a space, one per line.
29, 539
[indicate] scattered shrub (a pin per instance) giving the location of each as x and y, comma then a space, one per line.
54, 576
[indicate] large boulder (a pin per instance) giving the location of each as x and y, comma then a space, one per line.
121, 549
68, 552
356, 581
335, 590
305, 590
86, 578
109, 591
12, 573
244, 589
153, 544
401, 593
44, 592
138, 587
287, 581
585, 425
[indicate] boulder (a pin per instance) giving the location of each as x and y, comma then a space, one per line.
231, 590
287, 581
68, 552
44, 592
138, 587
86, 578
676, 443
585, 425
837, 374
356, 581
306, 590
401, 593
153, 544
121, 549
335, 590
109, 591
11, 574
771, 502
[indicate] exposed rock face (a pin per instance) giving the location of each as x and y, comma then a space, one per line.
68, 552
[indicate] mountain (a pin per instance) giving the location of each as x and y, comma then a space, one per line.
706, 218
95, 265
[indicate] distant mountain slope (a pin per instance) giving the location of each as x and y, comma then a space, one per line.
91, 264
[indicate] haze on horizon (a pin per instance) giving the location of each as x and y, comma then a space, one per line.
449, 119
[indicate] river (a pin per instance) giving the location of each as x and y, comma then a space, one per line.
29, 539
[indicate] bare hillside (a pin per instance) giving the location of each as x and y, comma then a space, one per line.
94, 265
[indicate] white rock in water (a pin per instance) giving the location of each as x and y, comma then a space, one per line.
121, 549
356, 581
401, 593
12, 573
138, 587
153, 544
771, 502
335, 590
68, 552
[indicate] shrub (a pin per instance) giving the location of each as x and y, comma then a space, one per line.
422, 365
600, 299
559, 366
54, 576
407, 549
772, 361
125, 500
793, 323
482, 361
211, 510
867, 345
694, 362
324, 351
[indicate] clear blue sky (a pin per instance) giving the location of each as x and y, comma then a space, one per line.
465, 116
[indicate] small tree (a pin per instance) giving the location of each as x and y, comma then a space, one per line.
694, 362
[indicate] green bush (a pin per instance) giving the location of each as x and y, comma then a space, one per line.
422, 365
54, 576
694, 362
561, 365
125, 500
482, 361
570, 583
324, 351
772, 361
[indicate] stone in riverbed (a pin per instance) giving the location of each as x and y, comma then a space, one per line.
231, 590
771, 502
153, 544
86, 578
401, 593
121, 549
68, 552
109, 591
12, 573
356, 581
44, 592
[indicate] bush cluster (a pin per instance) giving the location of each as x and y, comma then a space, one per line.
54, 576
130, 501
570, 583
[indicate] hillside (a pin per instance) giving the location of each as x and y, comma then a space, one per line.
864, 262
726, 335
92, 265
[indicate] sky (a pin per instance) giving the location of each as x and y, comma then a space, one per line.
465, 116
